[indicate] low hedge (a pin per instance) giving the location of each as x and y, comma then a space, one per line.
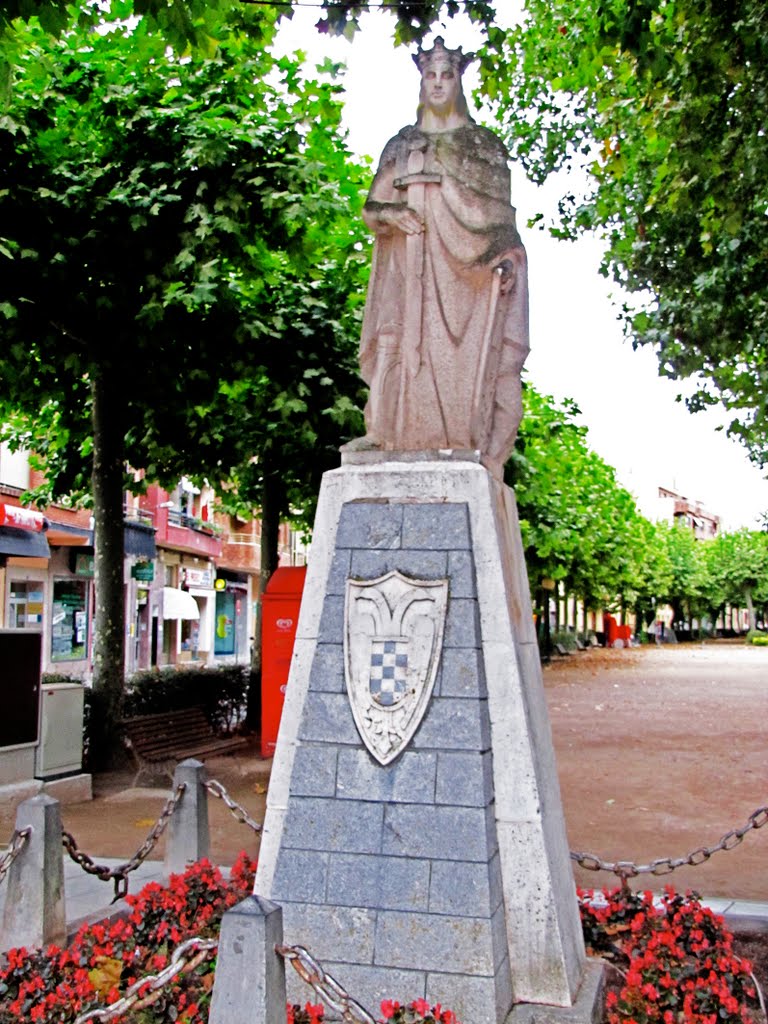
221, 692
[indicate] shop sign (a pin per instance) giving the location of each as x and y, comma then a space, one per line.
201, 579
144, 571
83, 564
21, 518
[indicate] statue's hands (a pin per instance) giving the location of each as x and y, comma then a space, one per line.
402, 218
507, 272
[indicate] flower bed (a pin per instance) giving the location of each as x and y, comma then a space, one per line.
672, 961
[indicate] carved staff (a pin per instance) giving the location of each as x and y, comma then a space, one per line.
414, 184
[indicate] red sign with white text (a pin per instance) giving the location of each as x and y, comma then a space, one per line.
21, 518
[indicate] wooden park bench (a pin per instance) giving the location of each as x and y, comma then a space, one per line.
158, 742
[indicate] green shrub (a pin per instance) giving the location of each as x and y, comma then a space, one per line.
757, 637
221, 692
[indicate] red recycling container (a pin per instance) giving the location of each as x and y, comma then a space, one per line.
279, 618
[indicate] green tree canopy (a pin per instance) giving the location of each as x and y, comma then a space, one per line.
169, 227
577, 522
662, 104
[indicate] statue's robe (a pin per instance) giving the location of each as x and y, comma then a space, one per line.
455, 382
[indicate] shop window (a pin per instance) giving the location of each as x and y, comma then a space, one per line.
25, 604
190, 636
69, 620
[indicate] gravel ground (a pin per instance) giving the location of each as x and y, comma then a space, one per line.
662, 750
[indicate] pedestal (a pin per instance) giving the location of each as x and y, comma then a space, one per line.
444, 874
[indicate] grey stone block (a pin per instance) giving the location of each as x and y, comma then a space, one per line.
420, 565
188, 835
34, 913
436, 526
314, 823
343, 934
339, 571
331, 629
250, 976
462, 624
461, 569
327, 718
314, 771
461, 673
388, 883
301, 875
327, 671
410, 779
587, 1009
442, 833
463, 779
460, 945
461, 889
479, 1000
454, 724
368, 524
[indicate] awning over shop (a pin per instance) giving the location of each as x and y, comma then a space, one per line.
23, 543
65, 535
139, 540
178, 604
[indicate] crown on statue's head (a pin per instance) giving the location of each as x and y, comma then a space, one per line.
460, 61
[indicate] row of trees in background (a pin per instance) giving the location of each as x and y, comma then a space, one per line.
583, 530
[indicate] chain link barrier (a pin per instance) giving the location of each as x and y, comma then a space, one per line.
626, 869
327, 988
120, 873
148, 990
16, 845
216, 789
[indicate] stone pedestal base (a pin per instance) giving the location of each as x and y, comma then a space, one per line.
445, 874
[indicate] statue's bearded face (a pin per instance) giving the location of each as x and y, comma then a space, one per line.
441, 86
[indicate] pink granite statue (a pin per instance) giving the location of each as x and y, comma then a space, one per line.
445, 332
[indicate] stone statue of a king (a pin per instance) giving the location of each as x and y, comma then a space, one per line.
445, 331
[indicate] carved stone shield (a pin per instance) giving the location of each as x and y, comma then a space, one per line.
393, 637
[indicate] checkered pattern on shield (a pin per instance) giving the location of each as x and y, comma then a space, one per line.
389, 665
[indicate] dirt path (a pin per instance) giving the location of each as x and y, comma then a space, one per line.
661, 750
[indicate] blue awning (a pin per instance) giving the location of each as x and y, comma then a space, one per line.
139, 540
23, 543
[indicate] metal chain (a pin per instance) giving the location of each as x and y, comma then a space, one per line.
216, 789
328, 989
121, 872
16, 845
147, 990
666, 865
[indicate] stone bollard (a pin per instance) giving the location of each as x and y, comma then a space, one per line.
188, 836
250, 976
34, 913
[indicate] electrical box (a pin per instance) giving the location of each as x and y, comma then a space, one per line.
60, 750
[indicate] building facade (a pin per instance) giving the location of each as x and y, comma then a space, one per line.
190, 576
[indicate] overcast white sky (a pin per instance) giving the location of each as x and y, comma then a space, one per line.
577, 344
